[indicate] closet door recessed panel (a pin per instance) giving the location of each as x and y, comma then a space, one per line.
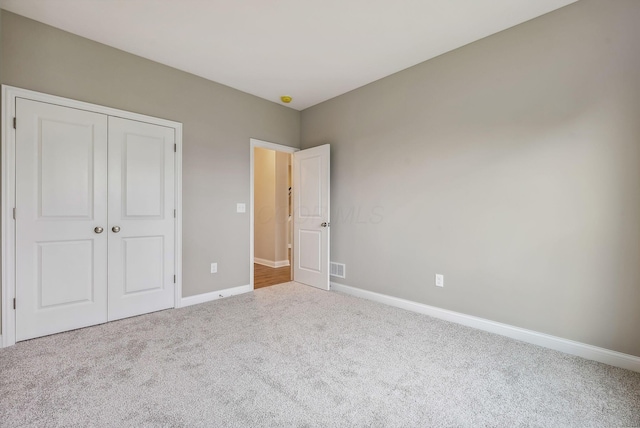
143, 259
65, 169
69, 263
143, 176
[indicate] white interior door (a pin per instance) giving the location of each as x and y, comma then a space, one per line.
311, 216
141, 218
61, 202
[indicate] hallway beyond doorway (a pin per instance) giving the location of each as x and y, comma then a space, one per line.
264, 276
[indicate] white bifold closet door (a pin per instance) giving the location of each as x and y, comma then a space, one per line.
94, 218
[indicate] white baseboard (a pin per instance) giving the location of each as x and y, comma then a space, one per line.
263, 262
214, 295
271, 263
590, 352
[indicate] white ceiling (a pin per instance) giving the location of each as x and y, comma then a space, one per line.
311, 50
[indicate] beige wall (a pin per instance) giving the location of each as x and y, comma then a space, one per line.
218, 123
265, 203
271, 204
282, 205
511, 166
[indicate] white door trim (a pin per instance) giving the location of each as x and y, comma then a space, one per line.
253, 143
9, 95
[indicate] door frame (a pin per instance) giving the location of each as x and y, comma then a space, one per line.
253, 143
9, 95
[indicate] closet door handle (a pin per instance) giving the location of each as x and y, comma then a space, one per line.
115, 229
98, 229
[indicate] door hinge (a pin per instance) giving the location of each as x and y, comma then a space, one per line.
14, 303
174, 279
14, 123
174, 213
14, 213
175, 147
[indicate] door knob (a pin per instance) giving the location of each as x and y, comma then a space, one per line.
325, 224
115, 229
98, 229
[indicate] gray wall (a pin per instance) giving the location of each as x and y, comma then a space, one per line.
511, 166
218, 123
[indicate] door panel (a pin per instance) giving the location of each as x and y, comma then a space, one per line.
310, 253
311, 203
144, 264
69, 263
141, 195
61, 196
65, 192
143, 160
311, 216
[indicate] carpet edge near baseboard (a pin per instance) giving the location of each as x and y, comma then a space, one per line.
584, 350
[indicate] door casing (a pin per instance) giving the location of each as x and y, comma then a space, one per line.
9, 95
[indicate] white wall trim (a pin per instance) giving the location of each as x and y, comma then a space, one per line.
177, 299
271, 263
9, 95
253, 143
590, 352
215, 295
8, 231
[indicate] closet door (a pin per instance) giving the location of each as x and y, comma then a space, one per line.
141, 218
61, 219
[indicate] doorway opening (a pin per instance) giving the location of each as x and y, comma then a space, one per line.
272, 219
272, 209
308, 226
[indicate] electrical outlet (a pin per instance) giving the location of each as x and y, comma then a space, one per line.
241, 208
214, 267
439, 280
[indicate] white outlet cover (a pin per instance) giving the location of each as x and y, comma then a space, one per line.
439, 280
241, 208
214, 267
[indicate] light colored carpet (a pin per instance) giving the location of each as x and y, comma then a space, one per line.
290, 355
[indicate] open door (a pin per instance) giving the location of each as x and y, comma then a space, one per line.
311, 216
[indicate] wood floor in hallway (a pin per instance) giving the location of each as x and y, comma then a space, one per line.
264, 276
